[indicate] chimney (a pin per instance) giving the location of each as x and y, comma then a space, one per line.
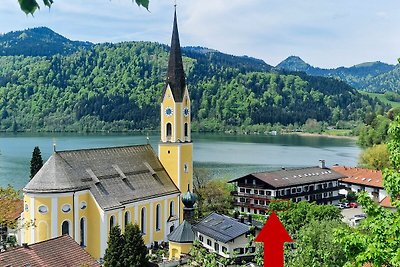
241, 218
322, 164
250, 219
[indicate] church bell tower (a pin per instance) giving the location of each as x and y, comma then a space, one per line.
176, 148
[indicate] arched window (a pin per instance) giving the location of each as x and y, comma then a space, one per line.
158, 217
65, 228
171, 229
82, 228
169, 130
186, 130
171, 209
127, 218
143, 221
112, 221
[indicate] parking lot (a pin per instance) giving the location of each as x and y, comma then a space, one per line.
349, 213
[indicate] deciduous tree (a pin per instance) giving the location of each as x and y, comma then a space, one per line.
375, 157
9, 201
377, 239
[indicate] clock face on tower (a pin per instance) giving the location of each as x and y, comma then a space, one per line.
168, 111
186, 112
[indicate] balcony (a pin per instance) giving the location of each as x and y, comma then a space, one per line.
309, 192
254, 196
256, 186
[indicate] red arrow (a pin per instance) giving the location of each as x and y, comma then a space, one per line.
273, 235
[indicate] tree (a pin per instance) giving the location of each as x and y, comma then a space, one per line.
214, 196
36, 161
115, 245
375, 157
315, 246
304, 215
377, 239
134, 251
30, 6
9, 201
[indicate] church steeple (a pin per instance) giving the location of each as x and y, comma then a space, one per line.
175, 149
176, 74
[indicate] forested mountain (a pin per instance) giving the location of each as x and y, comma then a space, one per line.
118, 87
38, 42
369, 76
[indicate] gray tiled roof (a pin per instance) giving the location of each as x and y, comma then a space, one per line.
293, 177
115, 176
221, 227
182, 234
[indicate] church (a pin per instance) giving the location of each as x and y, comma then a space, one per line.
83, 193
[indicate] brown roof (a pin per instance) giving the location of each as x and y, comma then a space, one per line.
19, 208
385, 202
294, 177
59, 251
360, 176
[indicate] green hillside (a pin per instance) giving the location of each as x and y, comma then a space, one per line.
114, 87
38, 42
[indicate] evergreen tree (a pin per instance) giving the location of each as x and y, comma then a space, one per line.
134, 251
115, 244
36, 161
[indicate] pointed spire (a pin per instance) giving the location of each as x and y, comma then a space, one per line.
176, 74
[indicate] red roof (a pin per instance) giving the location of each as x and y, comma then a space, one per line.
360, 176
18, 209
385, 202
59, 251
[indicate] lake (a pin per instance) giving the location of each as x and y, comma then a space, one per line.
223, 155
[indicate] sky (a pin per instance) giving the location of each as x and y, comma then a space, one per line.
324, 33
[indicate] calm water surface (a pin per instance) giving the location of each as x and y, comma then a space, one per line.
224, 156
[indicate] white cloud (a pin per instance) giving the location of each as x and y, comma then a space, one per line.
325, 33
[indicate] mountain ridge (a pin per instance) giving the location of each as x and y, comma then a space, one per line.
366, 76
116, 87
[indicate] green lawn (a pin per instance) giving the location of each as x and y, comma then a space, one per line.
382, 98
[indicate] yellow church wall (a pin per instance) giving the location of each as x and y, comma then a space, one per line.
42, 220
168, 101
65, 216
92, 215
168, 154
176, 250
158, 235
27, 218
186, 158
178, 122
146, 236
131, 211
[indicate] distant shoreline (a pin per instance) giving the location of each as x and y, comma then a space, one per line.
323, 135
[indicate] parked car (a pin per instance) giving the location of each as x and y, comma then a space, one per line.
353, 205
356, 221
362, 215
346, 205
339, 206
